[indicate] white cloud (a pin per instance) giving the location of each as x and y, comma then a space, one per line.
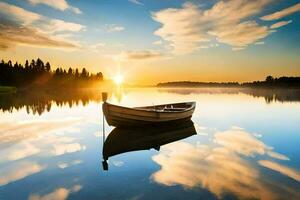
11, 36
56, 4
187, 27
283, 13
114, 28
158, 42
180, 28
28, 28
280, 24
56, 25
136, 2
19, 14
242, 35
76, 10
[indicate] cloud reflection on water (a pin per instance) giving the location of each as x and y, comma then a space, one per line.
19, 151
58, 194
19, 171
222, 167
64, 165
238, 140
19, 141
292, 173
12, 132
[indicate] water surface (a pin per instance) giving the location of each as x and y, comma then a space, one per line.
246, 146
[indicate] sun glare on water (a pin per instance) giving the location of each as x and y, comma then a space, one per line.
118, 79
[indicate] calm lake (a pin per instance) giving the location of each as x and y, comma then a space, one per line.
244, 144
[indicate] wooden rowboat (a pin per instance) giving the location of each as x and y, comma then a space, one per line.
123, 140
139, 116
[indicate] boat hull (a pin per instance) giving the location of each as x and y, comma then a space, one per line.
123, 116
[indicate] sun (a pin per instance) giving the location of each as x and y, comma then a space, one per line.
118, 79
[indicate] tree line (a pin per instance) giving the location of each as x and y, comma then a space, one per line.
198, 84
39, 73
269, 82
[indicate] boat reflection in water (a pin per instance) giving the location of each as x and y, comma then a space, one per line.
122, 140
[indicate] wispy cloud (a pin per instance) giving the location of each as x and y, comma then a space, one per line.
11, 36
18, 14
19, 26
56, 25
26, 18
114, 28
188, 27
280, 24
57, 4
140, 55
138, 2
242, 34
282, 13
277, 155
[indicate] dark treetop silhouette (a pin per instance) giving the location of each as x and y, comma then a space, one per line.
36, 73
269, 82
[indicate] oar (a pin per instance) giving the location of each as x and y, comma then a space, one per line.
104, 162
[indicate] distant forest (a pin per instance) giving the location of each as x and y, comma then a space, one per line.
38, 73
269, 82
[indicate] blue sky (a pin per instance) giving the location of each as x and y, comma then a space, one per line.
202, 37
